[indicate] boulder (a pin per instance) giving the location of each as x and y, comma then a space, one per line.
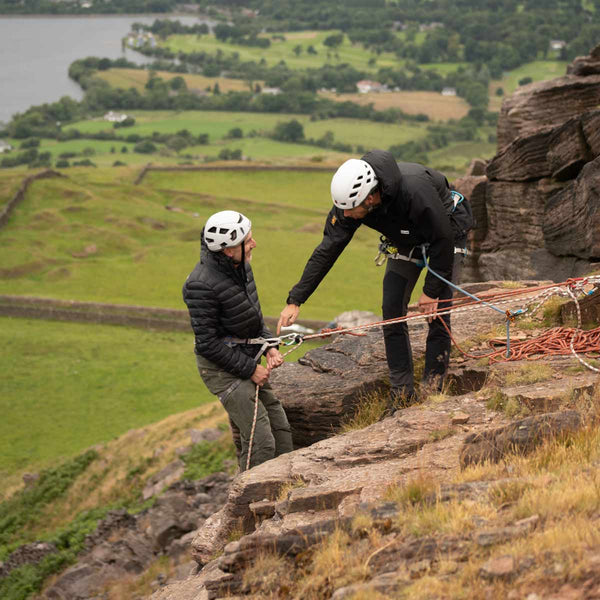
515, 211
546, 103
523, 159
476, 167
590, 123
342, 372
158, 482
571, 220
586, 65
568, 150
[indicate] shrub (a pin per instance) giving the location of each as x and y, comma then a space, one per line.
31, 143
208, 457
62, 164
145, 147
235, 133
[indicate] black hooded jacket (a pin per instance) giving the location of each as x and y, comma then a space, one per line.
414, 209
223, 302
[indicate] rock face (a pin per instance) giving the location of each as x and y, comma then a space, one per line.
536, 207
123, 544
341, 371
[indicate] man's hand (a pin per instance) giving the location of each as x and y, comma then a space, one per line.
288, 316
260, 375
274, 359
428, 306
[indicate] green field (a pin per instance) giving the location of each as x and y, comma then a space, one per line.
217, 125
67, 386
354, 54
136, 78
539, 70
142, 252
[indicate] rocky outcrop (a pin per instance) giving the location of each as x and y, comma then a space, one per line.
536, 207
342, 372
124, 544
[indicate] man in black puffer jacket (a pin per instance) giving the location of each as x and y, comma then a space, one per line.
410, 205
222, 300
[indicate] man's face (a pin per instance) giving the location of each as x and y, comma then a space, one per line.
365, 207
235, 253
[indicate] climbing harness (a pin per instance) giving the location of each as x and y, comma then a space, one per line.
388, 250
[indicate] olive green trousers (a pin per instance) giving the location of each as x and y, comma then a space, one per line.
272, 435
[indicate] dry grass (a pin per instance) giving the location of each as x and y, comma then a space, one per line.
558, 482
526, 374
286, 488
369, 410
432, 104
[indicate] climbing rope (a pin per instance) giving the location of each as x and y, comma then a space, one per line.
556, 341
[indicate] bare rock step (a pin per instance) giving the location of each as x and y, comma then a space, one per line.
502, 567
520, 436
549, 396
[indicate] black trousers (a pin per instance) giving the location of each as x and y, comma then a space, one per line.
398, 283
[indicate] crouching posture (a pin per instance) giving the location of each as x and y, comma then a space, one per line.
222, 300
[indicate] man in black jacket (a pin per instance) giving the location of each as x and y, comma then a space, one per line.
222, 300
410, 205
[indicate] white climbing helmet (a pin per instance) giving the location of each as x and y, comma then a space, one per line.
226, 229
352, 183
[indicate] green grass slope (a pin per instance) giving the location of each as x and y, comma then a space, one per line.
92, 237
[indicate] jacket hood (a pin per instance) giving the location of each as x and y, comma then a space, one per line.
387, 172
220, 262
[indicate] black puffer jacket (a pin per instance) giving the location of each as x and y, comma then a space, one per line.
223, 302
415, 202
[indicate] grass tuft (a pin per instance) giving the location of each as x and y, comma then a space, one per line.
369, 410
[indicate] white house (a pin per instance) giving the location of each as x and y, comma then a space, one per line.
366, 85
114, 117
557, 44
5, 146
449, 91
274, 91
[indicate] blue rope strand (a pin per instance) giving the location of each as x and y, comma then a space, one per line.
456, 287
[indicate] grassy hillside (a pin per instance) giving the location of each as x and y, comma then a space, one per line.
67, 386
217, 125
99, 238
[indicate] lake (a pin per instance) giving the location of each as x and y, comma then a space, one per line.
35, 54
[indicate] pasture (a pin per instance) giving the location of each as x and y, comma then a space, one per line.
217, 125
136, 78
96, 237
356, 55
432, 104
539, 70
